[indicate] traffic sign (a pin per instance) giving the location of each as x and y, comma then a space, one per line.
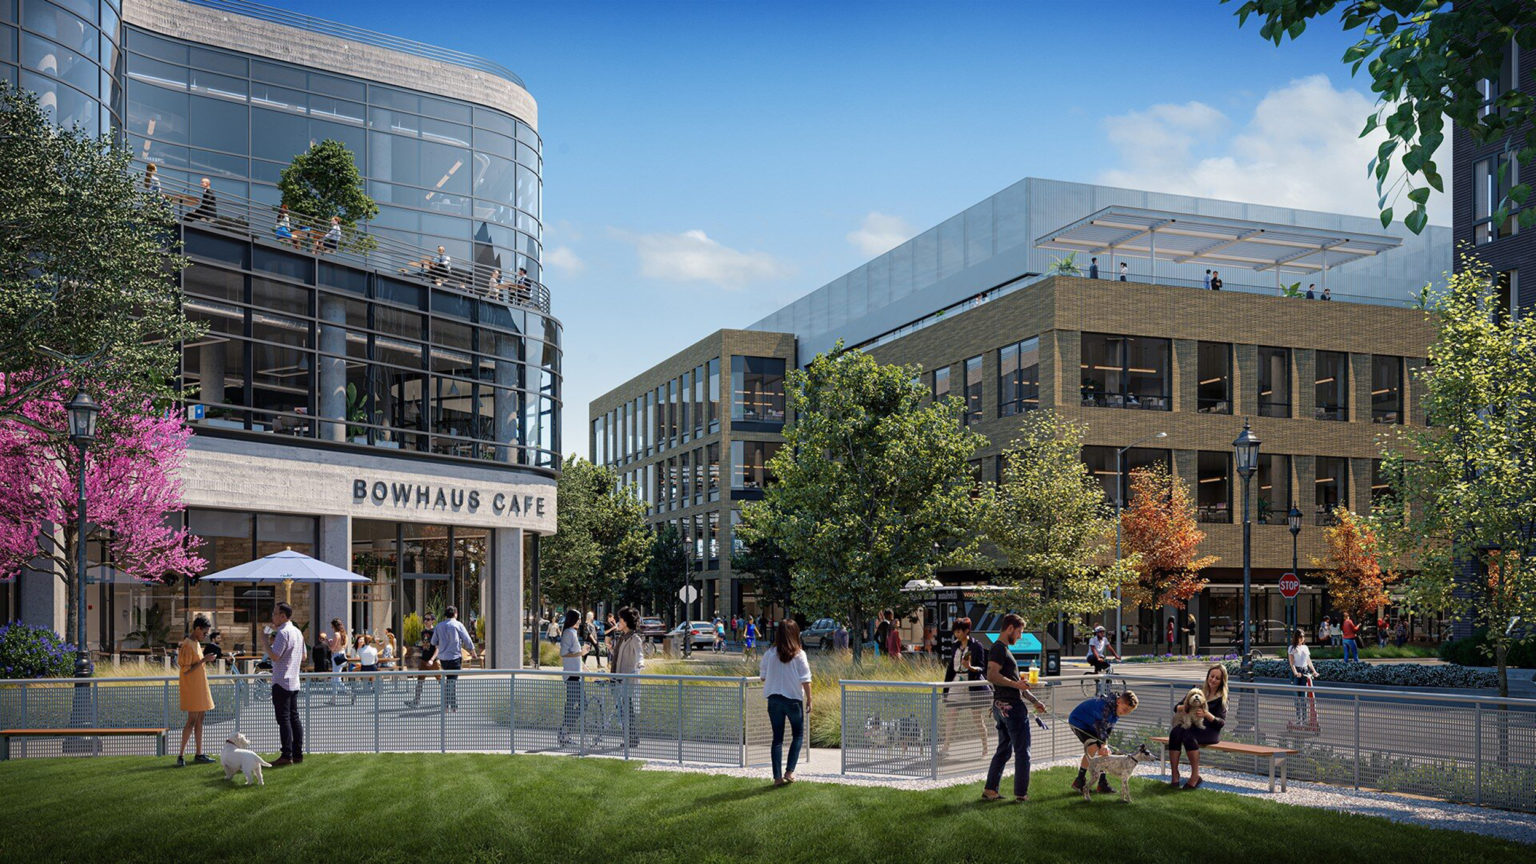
1290, 586
688, 594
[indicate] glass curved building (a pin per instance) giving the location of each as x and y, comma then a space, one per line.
392, 408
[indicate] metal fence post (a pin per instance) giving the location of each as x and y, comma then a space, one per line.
308, 704
624, 704
1477, 752
96, 704
842, 734
239, 699
442, 715
679, 721
933, 730
1357, 740
512, 712
165, 705
378, 684
581, 714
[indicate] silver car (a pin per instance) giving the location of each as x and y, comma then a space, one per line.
701, 633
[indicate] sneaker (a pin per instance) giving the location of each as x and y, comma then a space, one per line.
202, 759
1103, 788
181, 762
298, 759
286, 760
1078, 784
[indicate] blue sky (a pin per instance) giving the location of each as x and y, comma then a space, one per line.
706, 162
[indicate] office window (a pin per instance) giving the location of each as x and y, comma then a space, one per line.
972, 391
1386, 389
749, 463
1492, 179
1214, 392
684, 400
714, 535
1018, 377
672, 412
712, 453
1331, 387
1490, 89
1332, 487
648, 408
659, 409
1380, 488
1274, 382
1101, 463
757, 389
1273, 496
698, 401
1125, 372
713, 396
1213, 487
599, 445
941, 383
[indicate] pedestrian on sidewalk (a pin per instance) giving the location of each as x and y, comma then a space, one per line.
749, 639
337, 642
453, 645
196, 697
285, 646
572, 654
1351, 636
1009, 693
1172, 633
627, 659
786, 674
426, 661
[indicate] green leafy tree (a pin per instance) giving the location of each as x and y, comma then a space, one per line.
1427, 61
1461, 514
771, 570
601, 541
654, 587
1051, 524
81, 244
323, 182
873, 487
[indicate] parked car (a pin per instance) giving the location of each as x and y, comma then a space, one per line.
652, 628
819, 634
701, 633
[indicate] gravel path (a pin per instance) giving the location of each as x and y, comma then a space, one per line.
1517, 827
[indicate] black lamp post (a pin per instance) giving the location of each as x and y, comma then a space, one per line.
1294, 518
82, 412
1247, 447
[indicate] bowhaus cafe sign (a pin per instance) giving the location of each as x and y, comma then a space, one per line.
445, 499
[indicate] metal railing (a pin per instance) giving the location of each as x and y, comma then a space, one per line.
258, 221
358, 34
682, 718
1456, 747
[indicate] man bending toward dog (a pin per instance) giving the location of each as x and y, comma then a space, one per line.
286, 648
1009, 693
1091, 722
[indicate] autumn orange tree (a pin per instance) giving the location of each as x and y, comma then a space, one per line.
1357, 583
1159, 526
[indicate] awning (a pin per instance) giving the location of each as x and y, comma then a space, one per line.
1214, 241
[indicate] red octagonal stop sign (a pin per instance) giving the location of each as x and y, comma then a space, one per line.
1290, 586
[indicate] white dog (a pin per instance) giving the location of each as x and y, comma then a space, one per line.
1194, 703
238, 756
1117, 766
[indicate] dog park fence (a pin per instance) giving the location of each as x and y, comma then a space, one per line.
1457, 747
683, 718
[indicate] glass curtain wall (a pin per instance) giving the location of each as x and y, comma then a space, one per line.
757, 388
67, 52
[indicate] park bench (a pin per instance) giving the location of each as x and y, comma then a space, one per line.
7, 734
1273, 754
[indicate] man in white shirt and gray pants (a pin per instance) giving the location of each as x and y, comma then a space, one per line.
285, 646
453, 645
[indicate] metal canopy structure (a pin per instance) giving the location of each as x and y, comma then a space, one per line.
1214, 241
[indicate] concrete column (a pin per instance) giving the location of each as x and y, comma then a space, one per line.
504, 611
210, 366
331, 601
40, 597
333, 370
509, 377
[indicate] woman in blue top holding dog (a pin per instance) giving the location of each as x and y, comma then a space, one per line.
1197, 722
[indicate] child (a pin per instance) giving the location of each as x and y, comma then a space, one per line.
1092, 721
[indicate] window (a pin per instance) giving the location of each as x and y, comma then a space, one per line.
1018, 377
1492, 88
1331, 387
1380, 488
1213, 487
972, 391
941, 383
749, 463
713, 396
1491, 182
1274, 498
1386, 389
757, 389
1101, 463
1214, 391
672, 412
712, 453
1274, 382
698, 402
1125, 372
685, 398
599, 443
1332, 487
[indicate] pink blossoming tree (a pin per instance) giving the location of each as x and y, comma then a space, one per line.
133, 493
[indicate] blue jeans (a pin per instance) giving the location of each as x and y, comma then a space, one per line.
1301, 698
1012, 739
781, 708
1351, 649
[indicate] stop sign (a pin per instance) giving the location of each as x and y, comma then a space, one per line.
1290, 586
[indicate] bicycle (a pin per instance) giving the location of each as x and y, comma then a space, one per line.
603, 702
1102, 683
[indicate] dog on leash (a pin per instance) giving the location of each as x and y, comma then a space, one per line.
1194, 703
900, 733
237, 755
1116, 766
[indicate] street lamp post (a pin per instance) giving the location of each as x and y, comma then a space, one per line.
1294, 518
1120, 505
1247, 448
82, 411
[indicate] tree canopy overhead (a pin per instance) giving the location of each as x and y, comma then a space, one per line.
1428, 61
601, 543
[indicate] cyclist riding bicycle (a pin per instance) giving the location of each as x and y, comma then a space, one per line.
1098, 646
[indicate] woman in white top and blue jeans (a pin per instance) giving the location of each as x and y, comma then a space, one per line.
786, 677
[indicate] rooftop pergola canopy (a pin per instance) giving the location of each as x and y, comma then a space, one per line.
1213, 241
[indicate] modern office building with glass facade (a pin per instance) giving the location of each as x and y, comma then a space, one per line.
968, 302
365, 404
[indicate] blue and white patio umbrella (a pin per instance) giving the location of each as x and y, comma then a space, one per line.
286, 567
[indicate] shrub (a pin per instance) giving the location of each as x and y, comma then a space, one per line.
1474, 651
34, 652
1385, 674
410, 629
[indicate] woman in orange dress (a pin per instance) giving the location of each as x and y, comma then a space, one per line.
196, 698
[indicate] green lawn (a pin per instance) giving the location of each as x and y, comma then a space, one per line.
477, 808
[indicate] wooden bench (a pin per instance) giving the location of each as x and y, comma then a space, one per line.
7, 734
1273, 754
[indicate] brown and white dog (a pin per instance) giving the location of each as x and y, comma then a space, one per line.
237, 755
1116, 766
1194, 703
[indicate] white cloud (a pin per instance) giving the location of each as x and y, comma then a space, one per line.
565, 259
1300, 148
880, 233
694, 256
